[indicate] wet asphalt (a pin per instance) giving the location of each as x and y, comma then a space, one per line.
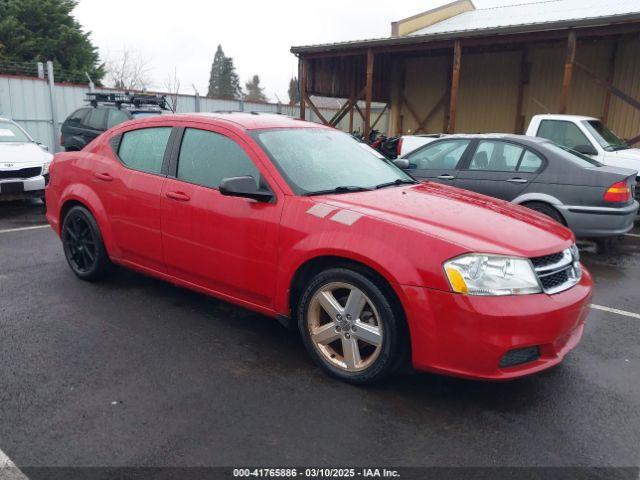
136, 372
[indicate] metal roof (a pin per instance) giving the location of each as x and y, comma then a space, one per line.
538, 13
520, 18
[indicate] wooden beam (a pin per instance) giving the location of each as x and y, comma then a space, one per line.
612, 70
302, 85
368, 94
351, 117
440, 103
347, 107
379, 116
522, 83
634, 140
569, 62
316, 111
615, 91
413, 113
455, 84
358, 110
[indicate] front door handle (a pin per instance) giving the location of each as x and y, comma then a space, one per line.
517, 180
180, 196
105, 177
446, 177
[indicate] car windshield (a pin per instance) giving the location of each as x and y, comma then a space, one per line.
605, 137
571, 155
10, 132
319, 160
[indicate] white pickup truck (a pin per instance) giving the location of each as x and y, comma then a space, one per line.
586, 135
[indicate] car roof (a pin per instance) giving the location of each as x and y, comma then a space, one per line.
524, 139
245, 121
549, 116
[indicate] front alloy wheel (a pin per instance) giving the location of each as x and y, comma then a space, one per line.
350, 326
345, 327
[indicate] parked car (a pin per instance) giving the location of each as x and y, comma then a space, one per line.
24, 163
589, 136
106, 110
299, 222
592, 199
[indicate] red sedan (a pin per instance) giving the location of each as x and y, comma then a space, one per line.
301, 223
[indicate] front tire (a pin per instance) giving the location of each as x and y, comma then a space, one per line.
349, 326
83, 245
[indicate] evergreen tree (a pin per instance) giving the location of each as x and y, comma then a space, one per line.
294, 92
223, 80
41, 30
255, 93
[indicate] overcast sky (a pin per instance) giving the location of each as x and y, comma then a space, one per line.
183, 35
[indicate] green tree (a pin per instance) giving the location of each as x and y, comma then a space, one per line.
41, 30
255, 93
294, 92
223, 80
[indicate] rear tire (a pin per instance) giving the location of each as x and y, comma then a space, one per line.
350, 327
83, 246
547, 210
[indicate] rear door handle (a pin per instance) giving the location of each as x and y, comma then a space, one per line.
446, 177
180, 196
105, 177
517, 180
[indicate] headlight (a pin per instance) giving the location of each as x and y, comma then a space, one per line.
45, 167
479, 274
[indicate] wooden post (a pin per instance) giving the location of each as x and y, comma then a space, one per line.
351, 119
368, 95
524, 80
568, 71
455, 83
610, 74
302, 86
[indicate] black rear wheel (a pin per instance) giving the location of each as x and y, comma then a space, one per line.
547, 210
83, 246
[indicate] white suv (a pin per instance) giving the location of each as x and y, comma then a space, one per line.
24, 164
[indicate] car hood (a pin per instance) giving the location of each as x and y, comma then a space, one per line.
22, 153
474, 222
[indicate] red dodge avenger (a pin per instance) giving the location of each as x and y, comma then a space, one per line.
301, 223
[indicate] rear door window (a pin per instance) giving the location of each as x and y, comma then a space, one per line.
496, 156
144, 149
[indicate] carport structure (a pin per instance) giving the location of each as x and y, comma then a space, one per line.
461, 69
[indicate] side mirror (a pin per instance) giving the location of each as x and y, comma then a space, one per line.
244, 187
402, 163
585, 149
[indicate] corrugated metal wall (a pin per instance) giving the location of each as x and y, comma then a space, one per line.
489, 86
27, 101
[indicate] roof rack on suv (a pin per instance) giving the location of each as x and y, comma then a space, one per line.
129, 100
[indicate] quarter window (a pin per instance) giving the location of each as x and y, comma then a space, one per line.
563, 133
443, 155
206, 158
97, 118
530, 162
116, 117
144, 149
496, 156
75, 119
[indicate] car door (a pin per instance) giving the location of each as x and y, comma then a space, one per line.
222, 243
498, 168
131, 190
438, 161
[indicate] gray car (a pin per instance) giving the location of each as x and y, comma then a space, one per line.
590, 198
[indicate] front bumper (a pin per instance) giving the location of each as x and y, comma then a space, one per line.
468, 336
588, 222
32, 187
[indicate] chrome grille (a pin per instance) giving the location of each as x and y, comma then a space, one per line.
20, 174
559, 271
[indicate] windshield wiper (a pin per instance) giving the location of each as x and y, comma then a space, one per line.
340, 189
397, 181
